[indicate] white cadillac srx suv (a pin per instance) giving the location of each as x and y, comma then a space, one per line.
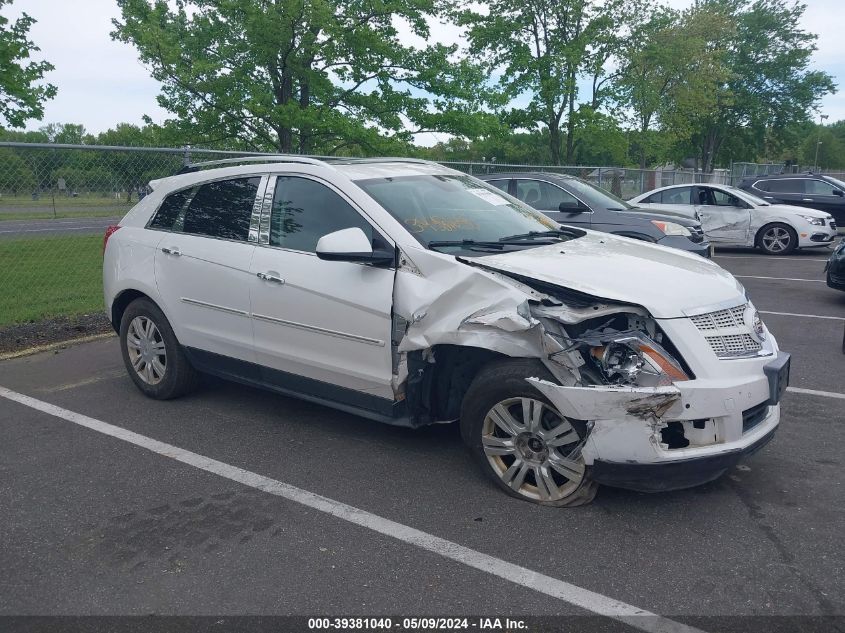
413, 294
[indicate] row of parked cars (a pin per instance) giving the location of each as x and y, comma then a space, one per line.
689, 216
412, 294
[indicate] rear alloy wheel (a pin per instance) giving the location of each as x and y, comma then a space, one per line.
146, 349
521, 441
777, 239
152, 355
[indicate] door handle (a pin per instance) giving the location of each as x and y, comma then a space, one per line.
171, 251
806, 199
271, 277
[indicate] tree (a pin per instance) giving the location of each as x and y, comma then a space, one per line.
539, 48
302, 75
770, 85
831, 151
22, 97
672, 74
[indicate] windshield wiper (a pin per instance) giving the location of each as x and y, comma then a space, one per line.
534, 235
461, 243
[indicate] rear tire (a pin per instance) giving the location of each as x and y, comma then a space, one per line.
152, 355
520, 440
777, 239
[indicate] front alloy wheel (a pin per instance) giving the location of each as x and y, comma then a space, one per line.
778, 239
520, 440
533, 450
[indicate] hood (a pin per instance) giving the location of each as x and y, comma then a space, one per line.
665, 281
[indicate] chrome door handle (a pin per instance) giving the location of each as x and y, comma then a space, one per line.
270, 277
806, 199
171, 251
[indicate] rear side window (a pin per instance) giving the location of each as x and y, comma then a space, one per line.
787, 185
171, 208
305, 210
681, 195
500, 184
222, 209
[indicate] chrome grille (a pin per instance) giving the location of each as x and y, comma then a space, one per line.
727, 333
729, 318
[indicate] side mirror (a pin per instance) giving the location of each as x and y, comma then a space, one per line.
838, 192
352, 245
572, 207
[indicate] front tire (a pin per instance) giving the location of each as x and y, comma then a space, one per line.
152, 355
520, 440
777, 239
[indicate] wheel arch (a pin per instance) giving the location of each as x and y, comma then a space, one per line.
435, 390
122, 301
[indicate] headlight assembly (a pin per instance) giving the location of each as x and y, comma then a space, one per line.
634, 359
813, 220
671, 228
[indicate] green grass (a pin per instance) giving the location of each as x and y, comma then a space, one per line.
46, 277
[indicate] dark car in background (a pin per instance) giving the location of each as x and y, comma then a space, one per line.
835, 267
575, 202
816, 191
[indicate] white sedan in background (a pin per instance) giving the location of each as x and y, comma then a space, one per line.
733, 217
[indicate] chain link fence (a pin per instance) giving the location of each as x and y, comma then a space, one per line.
56, 201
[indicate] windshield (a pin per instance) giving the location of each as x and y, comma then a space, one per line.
594, 196
836, 182
445, 207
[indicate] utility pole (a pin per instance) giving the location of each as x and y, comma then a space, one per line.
822, 117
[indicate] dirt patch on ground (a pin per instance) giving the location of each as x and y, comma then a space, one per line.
55, 330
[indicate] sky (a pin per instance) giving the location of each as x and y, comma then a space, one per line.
102, 82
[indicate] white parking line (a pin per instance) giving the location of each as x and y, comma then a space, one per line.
816, 281
816, 392
558, 589
796, 314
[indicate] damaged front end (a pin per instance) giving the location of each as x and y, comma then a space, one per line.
615, 373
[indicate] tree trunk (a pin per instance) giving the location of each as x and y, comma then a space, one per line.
554, 141
304, 102
570, 122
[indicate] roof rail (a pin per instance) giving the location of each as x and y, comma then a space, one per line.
342, 160
192, 167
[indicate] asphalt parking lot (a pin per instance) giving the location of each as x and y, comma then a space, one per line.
100, 521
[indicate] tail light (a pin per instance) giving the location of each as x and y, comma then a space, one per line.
110, 230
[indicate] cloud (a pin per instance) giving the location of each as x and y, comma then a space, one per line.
101, 82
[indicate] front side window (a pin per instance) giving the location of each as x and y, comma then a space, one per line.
719, 198
543, 195
452, 207
819, 188
305, 210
